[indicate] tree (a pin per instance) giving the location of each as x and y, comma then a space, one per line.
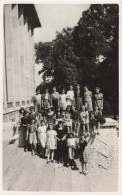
96, 43
59, 59
87, 53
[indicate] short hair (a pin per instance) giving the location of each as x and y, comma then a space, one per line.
20, 110
86, 86
97, 88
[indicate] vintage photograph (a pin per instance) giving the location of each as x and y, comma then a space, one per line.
60, 97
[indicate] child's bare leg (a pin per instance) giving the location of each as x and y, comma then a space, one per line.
34, 147
52, 155
71, 129
94, 128
83, 129
78, 128
98, 127
85, 164
68, 129
87, 126
48, 155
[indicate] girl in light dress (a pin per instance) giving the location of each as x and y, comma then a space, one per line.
98, 99
51, 143
88, 99
68, 119
31, 135
63, 100
72, 143
84, 118
70, 96
42, 137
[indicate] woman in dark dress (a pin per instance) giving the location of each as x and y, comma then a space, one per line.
24, 124
61, 142
55, 99
78, 98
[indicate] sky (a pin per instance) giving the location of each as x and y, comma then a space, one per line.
55, 17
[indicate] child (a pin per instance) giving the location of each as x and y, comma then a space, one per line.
75, 120
31, 135
67, 119
72, 145
32, 115
46, 100
50, 116
83, 154
61, 142
84, 117
51, 143
42, 136
96, 120
58, 116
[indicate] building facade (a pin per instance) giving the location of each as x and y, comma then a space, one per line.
19, 59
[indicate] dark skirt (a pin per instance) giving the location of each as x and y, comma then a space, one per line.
83, 157
78, 102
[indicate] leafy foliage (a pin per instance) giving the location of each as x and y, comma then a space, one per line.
86, 54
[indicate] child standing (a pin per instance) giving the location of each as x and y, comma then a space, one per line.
51, 143
42, 136
67, 119
84, 117
59, 116
83, 154
71, 144
31, 136
75, 120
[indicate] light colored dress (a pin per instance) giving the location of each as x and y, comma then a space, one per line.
42, 135
63, 102
84, 116
71, 143
98, 100
51, 140
70, 97
88, 100
67, 119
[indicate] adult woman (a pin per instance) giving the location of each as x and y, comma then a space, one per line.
88, 99
62, 100
70, 96
78, 98
98, 99
61, 142
55, 98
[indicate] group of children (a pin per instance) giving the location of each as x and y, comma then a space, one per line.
61, 130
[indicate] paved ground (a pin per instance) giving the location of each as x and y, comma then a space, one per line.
22, 172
